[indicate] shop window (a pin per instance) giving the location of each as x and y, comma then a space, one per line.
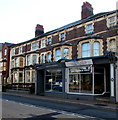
21, 62
96, 48
35, 46
49, 40
111, 21
27, 78
86, 50
57, 54
34, 59
20, 77
43, 43
49, 57
15, 77
89, 29
80, 80
112, 45
28, 60
54, 80
66, 53
33, 76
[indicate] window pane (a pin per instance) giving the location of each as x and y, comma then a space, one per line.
28, 60
27, 78
89, 28
33, 76
96, 47
54, 80
62, 37
34, 59
49, 57
66, 53
49, 40
43, 43
21, 62
43, 58
86, 50
58, 54
16, 62
35, 45
112, 45
20, 77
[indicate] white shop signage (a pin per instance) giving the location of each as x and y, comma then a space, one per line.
79, 63
81, 69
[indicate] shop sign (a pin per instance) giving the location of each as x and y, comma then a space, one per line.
81, 69
79, 63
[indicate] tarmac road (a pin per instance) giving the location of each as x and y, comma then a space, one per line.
70, 109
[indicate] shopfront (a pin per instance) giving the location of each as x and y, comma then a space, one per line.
86, 78
74, 79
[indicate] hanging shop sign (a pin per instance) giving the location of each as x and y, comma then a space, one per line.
79, 63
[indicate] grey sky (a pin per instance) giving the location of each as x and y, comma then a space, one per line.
18, 18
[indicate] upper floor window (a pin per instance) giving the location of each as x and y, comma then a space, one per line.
96, 48
28, 60
66, 53
49, 57
43, 43
5, 52
111, 21
62, 36
112, 45
86, 49
16, 62
21, 62
34, 59
43, 58
35, 45
58, 54
49, 40
20, 50
89, 28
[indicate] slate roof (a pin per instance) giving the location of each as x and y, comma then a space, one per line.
70, 25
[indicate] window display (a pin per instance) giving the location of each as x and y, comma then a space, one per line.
54, 80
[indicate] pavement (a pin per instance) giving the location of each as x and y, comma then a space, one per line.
95, 104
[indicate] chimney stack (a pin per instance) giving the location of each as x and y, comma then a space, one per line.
87, 10
39, 30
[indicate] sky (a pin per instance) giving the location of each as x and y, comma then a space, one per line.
18, 18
